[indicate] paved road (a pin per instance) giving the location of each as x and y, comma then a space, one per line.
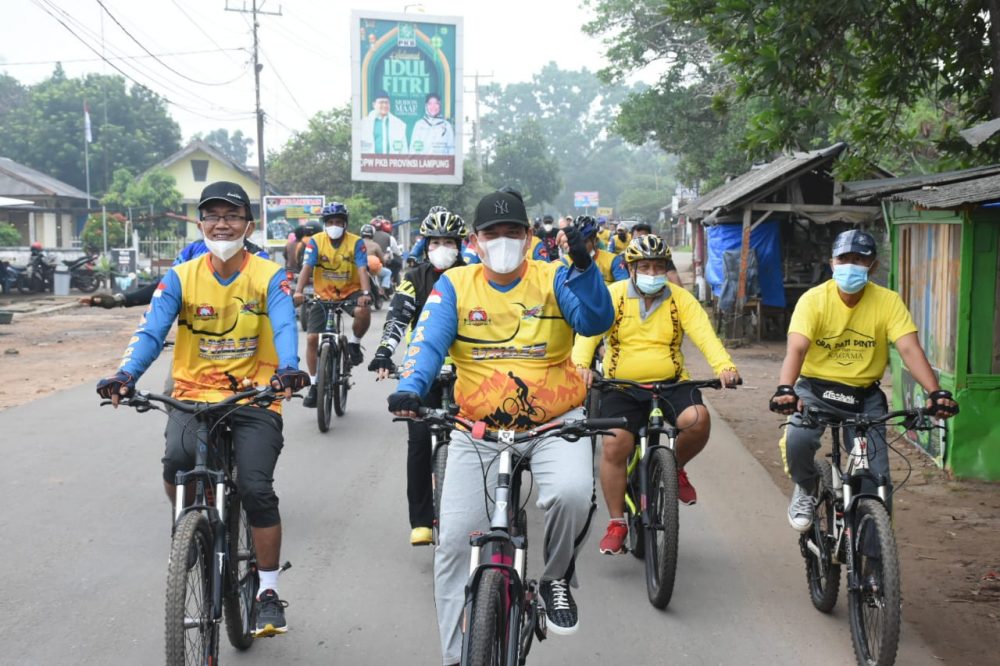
85, 537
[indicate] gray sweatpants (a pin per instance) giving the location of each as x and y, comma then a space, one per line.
564, 475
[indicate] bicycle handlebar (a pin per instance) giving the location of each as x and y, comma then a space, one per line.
572, 429
658, 387
832, 417
142, 400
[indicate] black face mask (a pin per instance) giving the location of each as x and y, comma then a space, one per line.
621, 234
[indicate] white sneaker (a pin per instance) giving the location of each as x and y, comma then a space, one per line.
801, 509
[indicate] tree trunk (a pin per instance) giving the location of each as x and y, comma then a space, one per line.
994, 37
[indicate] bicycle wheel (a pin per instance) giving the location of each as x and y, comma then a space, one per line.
822, 574
192, 635
326, 385
240, 600
661, 533
341, 379
439, 460
486, 636
874, 607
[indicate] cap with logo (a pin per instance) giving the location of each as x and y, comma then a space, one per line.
228, 192
500, 208
854, 241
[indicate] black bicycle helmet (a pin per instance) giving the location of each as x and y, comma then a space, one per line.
586, 225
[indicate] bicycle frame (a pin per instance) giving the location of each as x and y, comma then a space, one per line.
640, 456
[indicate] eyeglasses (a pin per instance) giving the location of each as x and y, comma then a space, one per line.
229, 219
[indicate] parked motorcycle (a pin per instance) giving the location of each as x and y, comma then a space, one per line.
81, 273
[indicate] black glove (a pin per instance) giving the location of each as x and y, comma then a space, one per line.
382, 360
114, 385
290, 377
578, 251
404, 401
937, 396
107, 301
783, 408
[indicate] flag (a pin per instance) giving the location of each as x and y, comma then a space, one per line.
86, 124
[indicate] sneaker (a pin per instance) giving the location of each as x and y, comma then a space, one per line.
310, 399
801, 509
354, 350
270, 615
560, 609
685, 491
421, 536
613, 542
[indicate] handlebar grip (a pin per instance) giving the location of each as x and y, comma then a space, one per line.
619, 422
479, 430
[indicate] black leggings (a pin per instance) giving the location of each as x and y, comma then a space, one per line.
419, 492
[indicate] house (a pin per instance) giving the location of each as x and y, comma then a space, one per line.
56, 212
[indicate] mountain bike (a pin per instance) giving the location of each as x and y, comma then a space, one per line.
212, 569
504, 610
852, 528
651, 502
333, 376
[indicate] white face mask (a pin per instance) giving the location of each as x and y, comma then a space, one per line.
503, 255
442, 256
224, 249
334, 231
548, 226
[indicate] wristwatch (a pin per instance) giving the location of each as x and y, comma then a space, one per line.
366, 293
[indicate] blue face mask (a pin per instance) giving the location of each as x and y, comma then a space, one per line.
650, 284
850, 277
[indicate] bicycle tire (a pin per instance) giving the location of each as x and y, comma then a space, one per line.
326, 386
341, 378
189, 595
439, 461
824, 586
661, 534
240, 600
875, 607
486, 636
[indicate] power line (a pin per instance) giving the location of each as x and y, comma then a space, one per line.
274, 70
197, 25
124, 57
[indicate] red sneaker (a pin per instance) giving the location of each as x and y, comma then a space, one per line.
613, 542
685, 491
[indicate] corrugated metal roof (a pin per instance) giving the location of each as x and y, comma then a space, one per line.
867, 190
19, 180
980, 190
762, 180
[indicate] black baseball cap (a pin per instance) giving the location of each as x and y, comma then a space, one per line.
231, 193
854, 241
500, 207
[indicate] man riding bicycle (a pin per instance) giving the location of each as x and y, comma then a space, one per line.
508, 314
838, 349
644, 345
337, 263
236, 326
444, 232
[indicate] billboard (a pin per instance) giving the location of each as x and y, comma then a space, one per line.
283, 214
406, 79
586, 200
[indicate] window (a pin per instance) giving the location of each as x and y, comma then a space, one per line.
200, 170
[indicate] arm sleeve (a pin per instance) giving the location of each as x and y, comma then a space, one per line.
900, 320
402, 312
188, 252
618, 269
540, 253
360, 254
281, 311
584, 348
418, 248
141, 296
310, 254
431, 339
696, 324
147, 342
262, 253
584, 299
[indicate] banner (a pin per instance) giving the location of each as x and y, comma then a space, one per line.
586, 200
605, 212
283, 214
407, 98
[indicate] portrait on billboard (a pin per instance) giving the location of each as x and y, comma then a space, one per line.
382, 132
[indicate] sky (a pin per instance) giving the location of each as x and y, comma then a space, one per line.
305, 51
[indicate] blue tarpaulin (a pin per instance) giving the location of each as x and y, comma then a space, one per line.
765, 241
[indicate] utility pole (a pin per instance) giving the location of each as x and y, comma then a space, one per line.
476, 131
255, 10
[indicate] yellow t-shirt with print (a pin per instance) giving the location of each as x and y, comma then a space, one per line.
849, 345
335, 275
512, 350
649, 350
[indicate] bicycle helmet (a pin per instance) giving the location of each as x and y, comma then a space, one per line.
443, 225
367, 231
646, 247
334, 209
586, 225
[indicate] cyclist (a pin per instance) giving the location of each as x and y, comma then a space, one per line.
378, 267
612, 267
337, 262
603, 233
509, 314
420, 247
838, 349
444, 232
644, 345
548, 235
236, 324
393, 253
620, 240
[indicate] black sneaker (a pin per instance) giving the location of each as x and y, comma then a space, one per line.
310, 399
354, 349
560, 609
270, 615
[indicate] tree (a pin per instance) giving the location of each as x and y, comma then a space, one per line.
236, 146
150, 198
523, 161
9, 235
92, 237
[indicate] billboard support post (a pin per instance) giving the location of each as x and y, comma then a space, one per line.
404, 214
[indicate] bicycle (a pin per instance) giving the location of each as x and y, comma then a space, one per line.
440, 438
852, 527
212, 569
504, 611
651, 503
333, 376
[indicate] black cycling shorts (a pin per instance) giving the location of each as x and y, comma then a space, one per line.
634, 405
316, 322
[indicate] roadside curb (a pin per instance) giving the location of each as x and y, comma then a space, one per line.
45, 310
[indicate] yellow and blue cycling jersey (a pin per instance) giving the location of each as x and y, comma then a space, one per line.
511, 344
611, 266
617, 245
336, 266
538, 251
241, 328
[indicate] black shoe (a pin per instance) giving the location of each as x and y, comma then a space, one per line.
560, 609
270, 615
354, 350
310, 399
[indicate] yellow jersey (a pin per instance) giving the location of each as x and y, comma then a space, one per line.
336, 268
612, 268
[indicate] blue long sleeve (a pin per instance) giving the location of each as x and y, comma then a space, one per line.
584, 299
361, 254
618, 268
147, 342
281, 311
431, 339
